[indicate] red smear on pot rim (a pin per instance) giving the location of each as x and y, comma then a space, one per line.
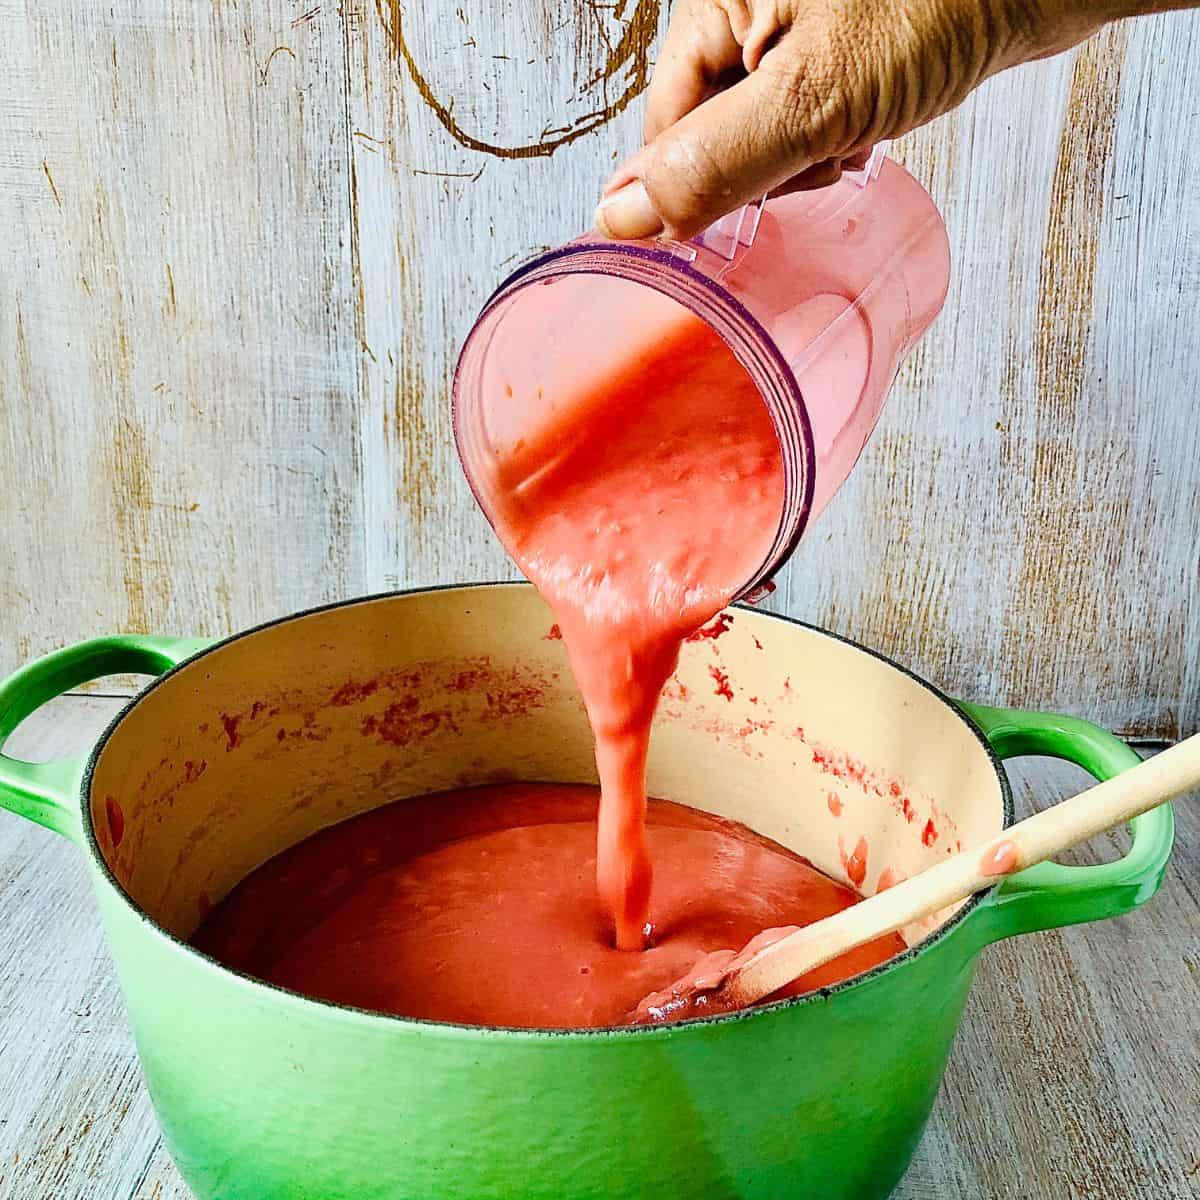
423, 704
712, 631
872, 782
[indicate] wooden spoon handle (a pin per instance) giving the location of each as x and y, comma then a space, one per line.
1031, 841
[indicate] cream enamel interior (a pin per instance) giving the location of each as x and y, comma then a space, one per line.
281, 732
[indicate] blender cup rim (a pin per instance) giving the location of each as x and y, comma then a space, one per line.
663, 268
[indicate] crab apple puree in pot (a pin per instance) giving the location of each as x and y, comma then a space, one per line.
478, 907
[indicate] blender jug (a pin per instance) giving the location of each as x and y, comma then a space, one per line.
819, 295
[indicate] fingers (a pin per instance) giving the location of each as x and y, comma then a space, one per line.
699, 48
857, 160
760, 36
819, 175
823, 174
736, 146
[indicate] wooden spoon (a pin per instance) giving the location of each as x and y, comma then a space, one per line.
724, 981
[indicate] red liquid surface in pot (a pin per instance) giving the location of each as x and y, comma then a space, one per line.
478, 906
644, 499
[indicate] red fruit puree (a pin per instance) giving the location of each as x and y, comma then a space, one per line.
639, 515
478, 906
648, 498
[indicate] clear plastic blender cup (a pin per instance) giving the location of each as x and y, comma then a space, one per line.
819, 295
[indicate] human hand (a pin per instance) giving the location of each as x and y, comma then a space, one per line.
758, 96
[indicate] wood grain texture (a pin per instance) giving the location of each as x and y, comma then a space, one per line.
243, 244
1076, 1075
179, 438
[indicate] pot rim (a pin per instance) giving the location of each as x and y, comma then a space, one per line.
526, 1033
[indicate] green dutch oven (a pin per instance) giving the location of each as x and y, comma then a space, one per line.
244, 747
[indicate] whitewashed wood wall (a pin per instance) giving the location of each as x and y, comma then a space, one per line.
240, 243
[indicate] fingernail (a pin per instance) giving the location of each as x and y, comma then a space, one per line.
628, 213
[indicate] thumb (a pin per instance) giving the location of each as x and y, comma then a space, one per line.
736, 146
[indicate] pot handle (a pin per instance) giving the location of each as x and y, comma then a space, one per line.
1048, 895
48, 792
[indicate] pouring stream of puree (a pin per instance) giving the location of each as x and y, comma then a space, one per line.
639, 512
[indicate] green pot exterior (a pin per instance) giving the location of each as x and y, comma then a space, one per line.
253, 1086
264, 1095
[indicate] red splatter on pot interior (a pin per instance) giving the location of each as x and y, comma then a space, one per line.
115, 817
721, 679
854, 863
230, 724
352, 692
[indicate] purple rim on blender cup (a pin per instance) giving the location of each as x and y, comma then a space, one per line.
665, 271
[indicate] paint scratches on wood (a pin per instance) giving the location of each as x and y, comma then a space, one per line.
608, 45
411, 425
131, 483
1056, 576
1074, 233
126, 450
53, 185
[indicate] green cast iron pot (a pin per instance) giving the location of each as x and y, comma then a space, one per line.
245, 747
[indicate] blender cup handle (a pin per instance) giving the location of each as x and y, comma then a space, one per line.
733, 232
1050, 895
739, 228
871, 168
